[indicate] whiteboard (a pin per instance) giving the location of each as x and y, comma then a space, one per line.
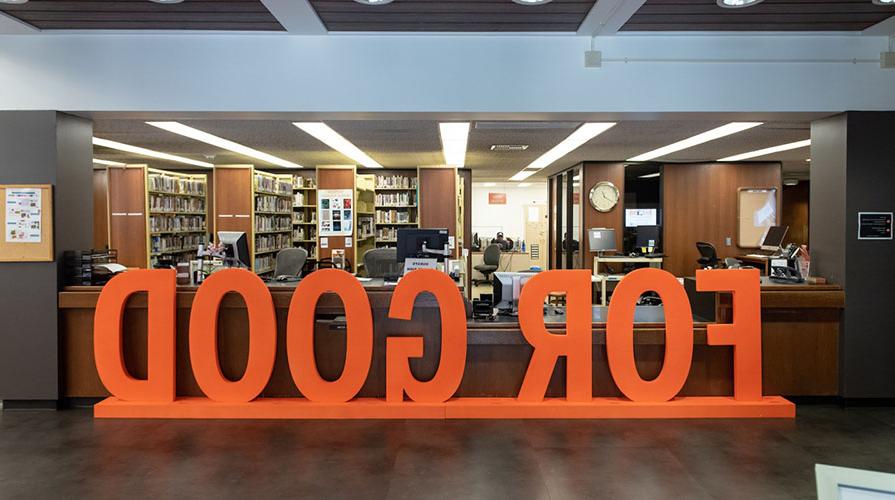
756, 211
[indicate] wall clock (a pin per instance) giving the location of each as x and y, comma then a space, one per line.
604, 196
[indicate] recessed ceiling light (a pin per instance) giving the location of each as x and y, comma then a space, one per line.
166, 1
373, 2
737, 4
790, 182
577, 138
808, 160
489, 184
711, 135
323, 133
524, 184
14, 2
454, 137
532, 2
767, 151
108, 163
148, 152
509, 147
650, 176
192, 133
884, 2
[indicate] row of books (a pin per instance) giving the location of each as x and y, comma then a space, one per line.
302, 217
159, 223
175, 243
268, 242
272, 223
395, 182
164, 203
302, 198
273, 185
304, 233
268, 203
396, 199
176, 185
364, 226
386, 234
265, 263
393, 216
299, 182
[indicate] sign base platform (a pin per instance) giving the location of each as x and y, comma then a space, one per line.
460, 408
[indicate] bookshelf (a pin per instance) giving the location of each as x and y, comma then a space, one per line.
364, 215
156, 214
396, 204
272, 221
304, 212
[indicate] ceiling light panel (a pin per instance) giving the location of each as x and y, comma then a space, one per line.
768, 151
198, 135
454, 139
108, 163
711, 135
333, 139
577, 138
127, 148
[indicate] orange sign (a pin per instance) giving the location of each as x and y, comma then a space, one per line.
406, 396
497, 198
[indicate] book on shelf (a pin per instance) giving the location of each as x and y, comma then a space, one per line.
396, 182
173, 203
163, 183
393, 216
177, 223
396, 199
268, 183
301, 182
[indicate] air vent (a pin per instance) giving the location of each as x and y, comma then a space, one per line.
509, 147
525, 125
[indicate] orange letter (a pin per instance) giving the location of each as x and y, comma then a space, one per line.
160, 285
300, 336
576, 345
204, 336
678, 336
398, 378
744, 333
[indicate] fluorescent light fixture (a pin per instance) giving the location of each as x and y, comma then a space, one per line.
192, 133
524, 184
148, 152
737, 4
454, 137
767, 151
489, 184
108, 163
711, 135
575, 140
808, 160
649, 176
331, 138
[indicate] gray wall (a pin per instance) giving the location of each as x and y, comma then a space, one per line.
853, 170
41, 147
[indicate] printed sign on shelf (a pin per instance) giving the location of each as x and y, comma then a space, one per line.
335, 208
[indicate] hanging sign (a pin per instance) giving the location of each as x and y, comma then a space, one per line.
335, 208
497, 198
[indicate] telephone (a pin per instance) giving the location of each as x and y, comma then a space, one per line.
785, 269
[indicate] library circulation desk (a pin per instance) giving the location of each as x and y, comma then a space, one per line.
800, 344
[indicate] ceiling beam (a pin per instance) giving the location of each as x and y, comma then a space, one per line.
882, 28
12, 26
608, 16
297, 16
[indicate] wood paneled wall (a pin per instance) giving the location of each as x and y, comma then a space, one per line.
795, 212
127, 215
701, 205
233, 200
100, 209
592, 173
438, 199
335, 178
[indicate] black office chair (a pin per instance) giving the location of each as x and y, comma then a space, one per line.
708, 257
490, 262
382, 263
290, 262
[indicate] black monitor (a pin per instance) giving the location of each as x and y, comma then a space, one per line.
773, 238
423, 243
649, 237
236, 247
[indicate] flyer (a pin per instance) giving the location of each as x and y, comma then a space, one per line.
23, 215
335, 209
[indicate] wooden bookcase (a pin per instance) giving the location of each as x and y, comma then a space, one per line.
364, 217
156, 214
396, 205
304, 212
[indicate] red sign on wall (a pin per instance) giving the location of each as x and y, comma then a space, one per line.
405, 395
497, 198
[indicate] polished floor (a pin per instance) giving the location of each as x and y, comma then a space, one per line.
68, 454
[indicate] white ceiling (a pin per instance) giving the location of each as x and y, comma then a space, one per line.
414, 142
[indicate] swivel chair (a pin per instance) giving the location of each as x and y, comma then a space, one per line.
490, 261
290, 262
708, 257
382, 263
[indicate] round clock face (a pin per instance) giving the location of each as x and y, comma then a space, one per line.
604, 196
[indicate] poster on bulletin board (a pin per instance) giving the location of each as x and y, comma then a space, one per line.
335, 209
27, 221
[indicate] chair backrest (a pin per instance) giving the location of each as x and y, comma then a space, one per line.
290, 261
382, 262
707, 252
492, 255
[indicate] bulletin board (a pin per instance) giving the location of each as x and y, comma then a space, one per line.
756, 211
27, 222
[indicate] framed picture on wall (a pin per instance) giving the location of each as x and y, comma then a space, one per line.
756, 212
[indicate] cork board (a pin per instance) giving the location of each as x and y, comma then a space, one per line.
757, 210
25, 251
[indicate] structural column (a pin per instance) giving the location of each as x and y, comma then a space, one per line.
41, 147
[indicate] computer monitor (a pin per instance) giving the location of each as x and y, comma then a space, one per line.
236, 247
773, 238
648, 237
423, 243
635, 217
505, 293
601, 239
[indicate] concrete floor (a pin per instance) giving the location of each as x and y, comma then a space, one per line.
68, 454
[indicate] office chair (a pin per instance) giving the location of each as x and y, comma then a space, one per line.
382, 263
491, 260
708, 257
290, 262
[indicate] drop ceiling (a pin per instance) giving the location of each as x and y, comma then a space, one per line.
411, 143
